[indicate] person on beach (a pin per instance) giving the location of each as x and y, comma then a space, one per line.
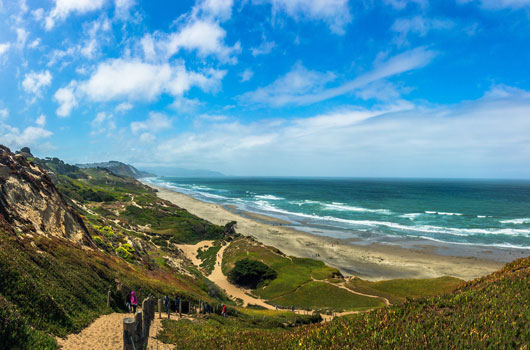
223, 310
177, 303
166, 303
134, 301
128, 302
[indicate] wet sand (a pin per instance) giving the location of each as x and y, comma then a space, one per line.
372, 262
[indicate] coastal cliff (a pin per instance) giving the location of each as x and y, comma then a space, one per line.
32, 204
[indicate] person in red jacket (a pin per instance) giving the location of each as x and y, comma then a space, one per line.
134, 302
223, 311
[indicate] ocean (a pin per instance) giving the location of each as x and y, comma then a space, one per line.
482, 213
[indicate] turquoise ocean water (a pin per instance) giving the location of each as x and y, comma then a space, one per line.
485, 213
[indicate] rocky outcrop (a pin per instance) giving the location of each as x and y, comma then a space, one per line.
31, 204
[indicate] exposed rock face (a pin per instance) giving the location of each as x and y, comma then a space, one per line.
30, 202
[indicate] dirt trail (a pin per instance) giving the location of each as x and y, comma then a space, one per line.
190, 251
343, 286
107, 333
220, 279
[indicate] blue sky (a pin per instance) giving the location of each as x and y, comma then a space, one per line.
272, 87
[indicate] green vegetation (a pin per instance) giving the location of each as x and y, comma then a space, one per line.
172, 223
321, 295
296, 282
211, 331
209, 257
51, 286
251, 273
492, 312
398, 290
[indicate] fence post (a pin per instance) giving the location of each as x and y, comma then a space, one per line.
129, 327
180, 308
146, 320
108, 298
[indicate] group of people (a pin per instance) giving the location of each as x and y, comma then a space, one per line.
132, 303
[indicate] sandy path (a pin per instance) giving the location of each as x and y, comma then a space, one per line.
107, 333
220, 279
190, 251
372, 262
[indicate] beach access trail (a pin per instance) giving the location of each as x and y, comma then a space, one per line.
217, 276
106, 332
371, 262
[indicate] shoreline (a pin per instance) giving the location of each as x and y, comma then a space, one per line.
372, 262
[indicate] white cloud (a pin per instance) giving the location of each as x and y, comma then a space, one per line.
204, 36
147, 137
41, 120
4, 113
335, 13
467, 139
63, 8
185, 105
198, 31
34, 44
214, 9
102, 123
401, 4
123, 7
136, 80
22, 36
3, 48
66, 99
287, 89
246, 75
38, 14
155, 123
34, 82
303, 87
123, 107
30, 136
264, 49
499, 4
419, 25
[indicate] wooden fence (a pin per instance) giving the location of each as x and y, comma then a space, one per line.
136, 330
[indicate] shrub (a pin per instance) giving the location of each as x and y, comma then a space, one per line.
99, 241
251, 273
123, 253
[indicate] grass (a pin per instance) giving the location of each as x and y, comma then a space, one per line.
209, 257
210, 331
300, 282
398, 290
320, 295
492, 312
292, 272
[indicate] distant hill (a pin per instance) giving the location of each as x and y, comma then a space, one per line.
180, 172
118, 168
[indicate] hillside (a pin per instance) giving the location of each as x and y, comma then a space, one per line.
59, 256
492, 312
118, 168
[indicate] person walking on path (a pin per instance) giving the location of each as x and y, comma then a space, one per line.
166, 303
177, 303
128, 302
134, 301
223, 310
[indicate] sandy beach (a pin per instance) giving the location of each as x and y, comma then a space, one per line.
372, 262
